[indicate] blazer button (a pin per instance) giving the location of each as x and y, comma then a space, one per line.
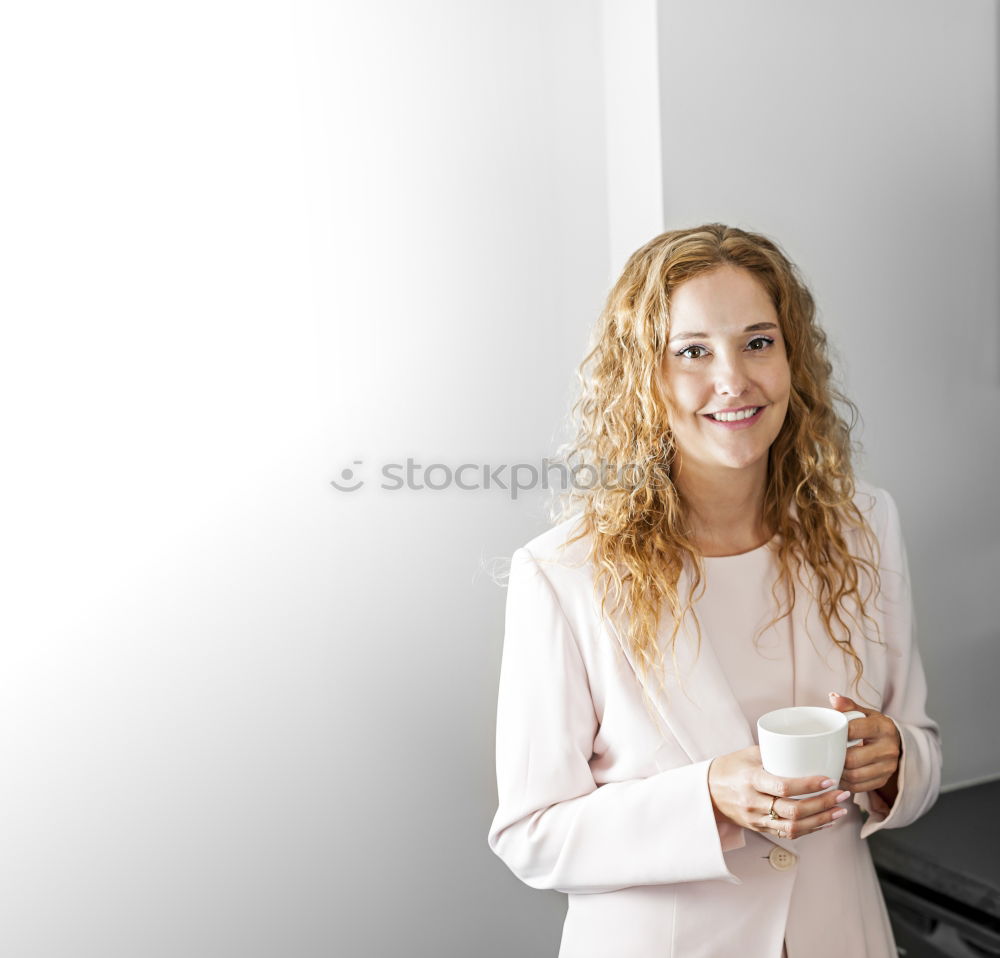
781, 858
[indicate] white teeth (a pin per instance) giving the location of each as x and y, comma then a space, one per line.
735, 416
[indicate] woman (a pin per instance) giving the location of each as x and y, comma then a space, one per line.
726, 564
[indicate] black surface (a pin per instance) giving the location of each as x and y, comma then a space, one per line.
926, 923
954, 850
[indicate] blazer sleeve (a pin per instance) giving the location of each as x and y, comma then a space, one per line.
554, 826
905, 694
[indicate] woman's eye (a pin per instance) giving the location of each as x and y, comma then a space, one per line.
693, 352
760, 342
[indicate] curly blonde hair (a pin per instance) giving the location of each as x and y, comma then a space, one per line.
640, 537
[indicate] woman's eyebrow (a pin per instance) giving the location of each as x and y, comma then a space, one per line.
755, 328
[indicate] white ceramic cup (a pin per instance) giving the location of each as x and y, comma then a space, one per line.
805, 740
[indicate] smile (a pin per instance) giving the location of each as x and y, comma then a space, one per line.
737, 417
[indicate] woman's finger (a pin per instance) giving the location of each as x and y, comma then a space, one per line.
861, 755
802, 809
866, 728
769, 784
796, 828
865, 783
856, 778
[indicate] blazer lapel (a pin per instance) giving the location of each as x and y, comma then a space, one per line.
696, 705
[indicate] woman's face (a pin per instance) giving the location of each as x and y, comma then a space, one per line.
725, 356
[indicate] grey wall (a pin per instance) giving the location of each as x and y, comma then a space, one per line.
864, 138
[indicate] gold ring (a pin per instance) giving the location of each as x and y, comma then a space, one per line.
774, 816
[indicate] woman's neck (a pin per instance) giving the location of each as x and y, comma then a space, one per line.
725, 511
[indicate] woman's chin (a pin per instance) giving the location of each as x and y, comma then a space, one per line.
740, 462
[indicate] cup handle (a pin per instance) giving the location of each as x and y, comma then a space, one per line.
853, 714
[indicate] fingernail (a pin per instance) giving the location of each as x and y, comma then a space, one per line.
839, 813
843, 796
827, 783
835, 695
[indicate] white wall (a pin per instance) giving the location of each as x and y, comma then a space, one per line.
632, 123
247, 244
864, 138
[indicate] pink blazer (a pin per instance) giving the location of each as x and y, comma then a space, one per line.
606, 799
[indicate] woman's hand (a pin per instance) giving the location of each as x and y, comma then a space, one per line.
874, 764
743, 792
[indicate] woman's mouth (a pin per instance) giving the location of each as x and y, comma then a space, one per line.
736, 418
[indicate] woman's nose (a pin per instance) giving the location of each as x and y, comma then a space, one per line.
730, 376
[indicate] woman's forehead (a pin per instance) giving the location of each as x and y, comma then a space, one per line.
725, 299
